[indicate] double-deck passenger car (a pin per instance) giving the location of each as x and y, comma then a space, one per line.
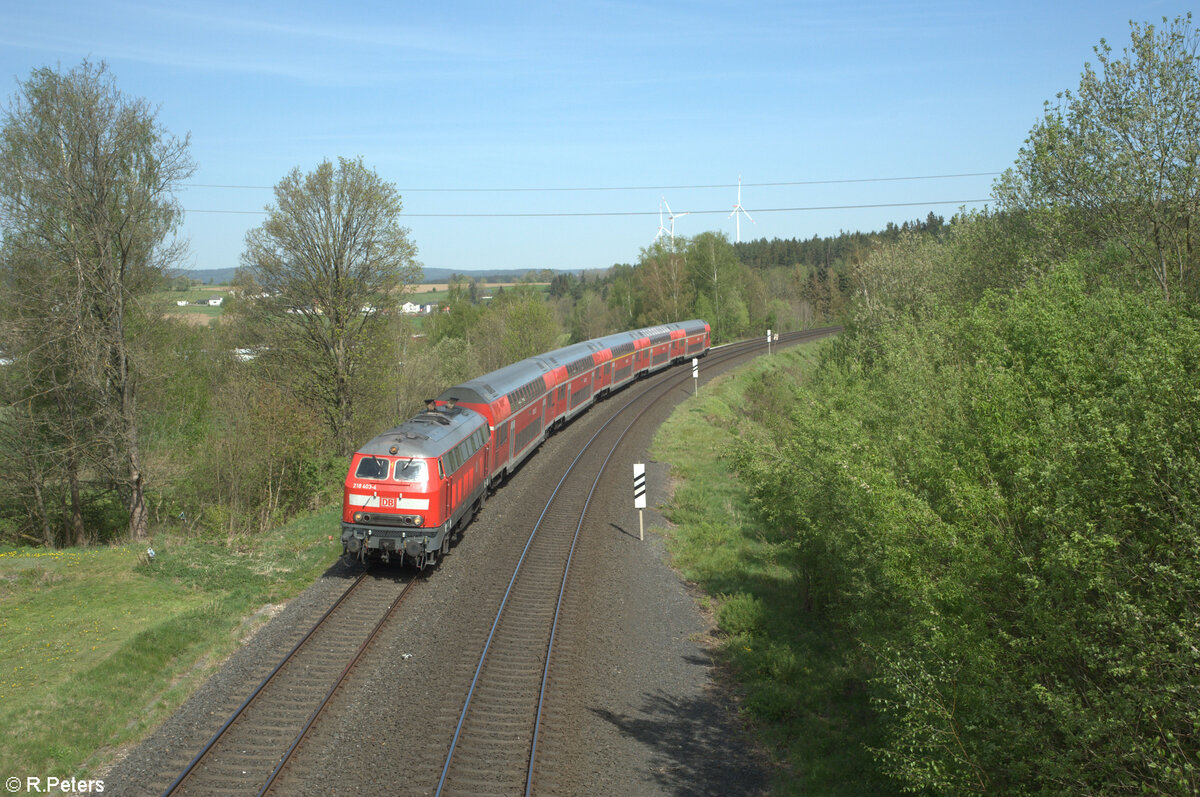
410, 488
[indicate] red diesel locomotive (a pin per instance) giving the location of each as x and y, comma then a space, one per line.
410, 488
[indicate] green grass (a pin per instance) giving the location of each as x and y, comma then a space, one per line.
805, 701
100, 645
165, 301
425, 294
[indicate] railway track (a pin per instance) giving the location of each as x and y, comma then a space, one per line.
255, 742
493, 749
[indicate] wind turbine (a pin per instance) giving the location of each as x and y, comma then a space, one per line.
661, 229
738, 210
672, 216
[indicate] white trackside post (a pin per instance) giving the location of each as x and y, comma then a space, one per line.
639, 496
695, 375
768, 341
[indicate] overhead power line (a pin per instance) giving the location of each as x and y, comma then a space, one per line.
641, 187
640, 212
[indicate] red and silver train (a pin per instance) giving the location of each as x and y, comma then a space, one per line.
411, 488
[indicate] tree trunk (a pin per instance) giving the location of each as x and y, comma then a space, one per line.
39, 506
138, 519
76, 535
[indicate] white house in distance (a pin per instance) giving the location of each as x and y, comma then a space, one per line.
216, 301
416, 309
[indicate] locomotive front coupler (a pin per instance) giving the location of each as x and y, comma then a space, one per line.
414, 548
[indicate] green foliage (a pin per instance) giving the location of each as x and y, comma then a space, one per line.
264, 462
322, 280
1118, 161
456, 318
518, 324
1001, 507
803, 685
86, 218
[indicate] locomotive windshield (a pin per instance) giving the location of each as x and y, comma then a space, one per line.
375, 468
412, 470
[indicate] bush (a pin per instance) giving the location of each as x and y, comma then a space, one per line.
1002, 509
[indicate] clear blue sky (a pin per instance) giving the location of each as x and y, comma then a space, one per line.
647, 99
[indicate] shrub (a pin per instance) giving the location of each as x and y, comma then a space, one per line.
1001, 508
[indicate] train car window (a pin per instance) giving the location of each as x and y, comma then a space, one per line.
412, 470
375, 468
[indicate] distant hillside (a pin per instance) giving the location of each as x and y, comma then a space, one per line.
440, 275
224, 276
210, 276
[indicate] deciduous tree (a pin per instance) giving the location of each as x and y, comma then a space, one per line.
1121, 157
324, 273
87, 215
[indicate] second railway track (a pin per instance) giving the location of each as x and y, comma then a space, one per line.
491, 741
243, 755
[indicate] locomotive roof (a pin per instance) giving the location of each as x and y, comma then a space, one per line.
430, 434
491, 386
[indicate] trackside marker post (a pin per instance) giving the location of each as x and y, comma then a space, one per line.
639, 496
695, 375
768, 341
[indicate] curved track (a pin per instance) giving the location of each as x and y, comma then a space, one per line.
493, 747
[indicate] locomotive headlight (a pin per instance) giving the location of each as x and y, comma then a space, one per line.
418, 520
358, 517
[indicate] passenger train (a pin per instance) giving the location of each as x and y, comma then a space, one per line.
412, 487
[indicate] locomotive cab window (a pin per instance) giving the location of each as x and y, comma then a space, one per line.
412, 470
374, 468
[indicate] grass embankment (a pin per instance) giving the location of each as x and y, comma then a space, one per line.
100, 644
810, 711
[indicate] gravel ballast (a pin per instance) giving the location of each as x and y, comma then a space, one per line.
637, 704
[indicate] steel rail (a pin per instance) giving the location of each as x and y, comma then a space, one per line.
679, 378
566, 571
730, 349
366, 643
245, 703
508, 591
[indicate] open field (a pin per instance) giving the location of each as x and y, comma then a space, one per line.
199, 315
194, 314
443, 287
